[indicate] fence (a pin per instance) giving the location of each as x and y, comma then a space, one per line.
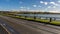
40, 17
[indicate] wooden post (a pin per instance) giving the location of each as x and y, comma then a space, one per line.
14, 15
50, 19
25, 17
19, 15
34, 17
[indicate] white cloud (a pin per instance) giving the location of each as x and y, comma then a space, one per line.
34, 5
54, 6
22, 7
41, 2
45, 3
53, 3
55, 11
51, 7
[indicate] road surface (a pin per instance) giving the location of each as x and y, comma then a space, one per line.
2, 30
19, 26
7, 28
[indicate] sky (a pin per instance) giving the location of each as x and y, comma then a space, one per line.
43, 5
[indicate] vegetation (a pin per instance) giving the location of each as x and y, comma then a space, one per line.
55, 22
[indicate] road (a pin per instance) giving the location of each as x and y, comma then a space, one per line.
7, 27
2, 30
19, 26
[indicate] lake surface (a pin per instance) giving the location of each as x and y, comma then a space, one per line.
57, 16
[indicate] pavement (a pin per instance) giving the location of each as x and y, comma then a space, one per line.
28, 27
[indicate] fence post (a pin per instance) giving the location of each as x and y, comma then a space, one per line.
20, 16
50, 20
34, 17
25, 17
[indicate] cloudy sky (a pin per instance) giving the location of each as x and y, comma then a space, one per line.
44, 5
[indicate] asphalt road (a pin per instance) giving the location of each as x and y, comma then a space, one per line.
7, 28
2, 30
29, 27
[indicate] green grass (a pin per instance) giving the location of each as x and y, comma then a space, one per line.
20, 17
55, 22
17, 16
30, 18
42, 20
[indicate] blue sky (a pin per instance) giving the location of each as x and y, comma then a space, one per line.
44, 5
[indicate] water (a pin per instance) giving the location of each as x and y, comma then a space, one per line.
57, 16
